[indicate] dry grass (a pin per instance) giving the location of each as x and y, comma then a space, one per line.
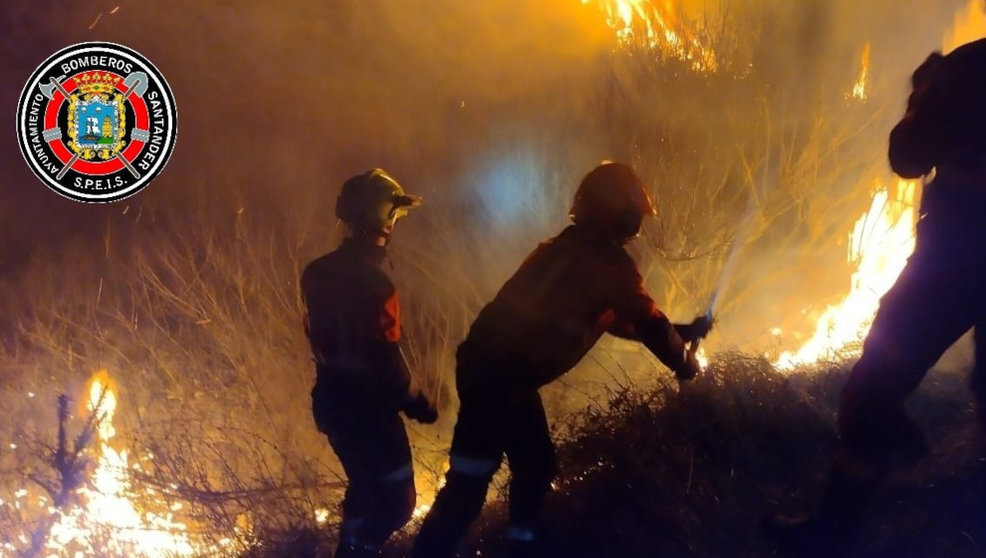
192, 304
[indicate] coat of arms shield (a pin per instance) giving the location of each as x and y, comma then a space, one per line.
97, 123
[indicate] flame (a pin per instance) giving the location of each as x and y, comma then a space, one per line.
435, 481
421, 510
880, 243
969, 25
111, 516
859, 88
107, 506
102, 404
702, 358
883, 238
655, 26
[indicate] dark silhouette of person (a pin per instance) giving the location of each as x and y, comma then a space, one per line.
353, 323
565, 295
937, 298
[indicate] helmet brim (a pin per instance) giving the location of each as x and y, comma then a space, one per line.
407, 200
402, 203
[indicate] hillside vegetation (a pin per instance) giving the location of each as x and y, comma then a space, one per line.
693, 472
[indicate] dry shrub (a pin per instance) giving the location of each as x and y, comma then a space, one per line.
191, 300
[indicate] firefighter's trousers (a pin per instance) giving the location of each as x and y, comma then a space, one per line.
373, 448
490, 425
940, 295
937, 298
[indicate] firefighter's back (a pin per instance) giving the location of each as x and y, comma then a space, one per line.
548, 314
349, 306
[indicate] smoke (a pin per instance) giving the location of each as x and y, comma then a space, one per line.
493, 111
276, 101
490, 110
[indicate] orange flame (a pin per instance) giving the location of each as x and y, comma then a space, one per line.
862, 82
883, 238
969, 25
107, 504
433, 484
112, 515
645, 23
880, 243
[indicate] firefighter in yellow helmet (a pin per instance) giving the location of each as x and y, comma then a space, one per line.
564, 296
352, 321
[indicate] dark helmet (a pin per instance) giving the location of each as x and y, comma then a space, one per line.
946, 116
371, 202
613, 201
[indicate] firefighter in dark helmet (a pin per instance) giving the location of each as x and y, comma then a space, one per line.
940, 294
564, 296
353, 323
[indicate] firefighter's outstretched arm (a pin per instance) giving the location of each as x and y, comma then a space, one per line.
636, 310
696, 330
660, 336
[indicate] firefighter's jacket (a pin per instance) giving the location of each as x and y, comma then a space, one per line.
353, 324
565, 295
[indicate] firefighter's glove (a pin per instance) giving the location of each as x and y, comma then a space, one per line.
419, 408
698, 329
691, 367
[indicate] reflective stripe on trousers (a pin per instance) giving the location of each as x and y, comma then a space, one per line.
520, 534
472, 466
402, 473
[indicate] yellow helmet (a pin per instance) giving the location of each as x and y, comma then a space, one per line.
372, 201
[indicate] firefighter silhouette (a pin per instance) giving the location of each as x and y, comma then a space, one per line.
565, 295
937, 298
352, 321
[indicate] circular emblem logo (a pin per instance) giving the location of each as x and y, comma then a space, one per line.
96, 122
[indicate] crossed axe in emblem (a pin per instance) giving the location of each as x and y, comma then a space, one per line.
136, 84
